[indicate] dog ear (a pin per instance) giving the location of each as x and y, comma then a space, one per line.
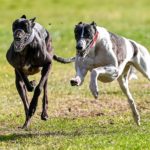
23, 16
76, 26
93, 23
80, 22
32, 21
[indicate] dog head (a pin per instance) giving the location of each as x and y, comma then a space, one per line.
22, 31
85, 35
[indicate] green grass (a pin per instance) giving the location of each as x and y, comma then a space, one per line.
103, 124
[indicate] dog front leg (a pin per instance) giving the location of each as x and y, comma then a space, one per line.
37, 92
105, 74
79, 78
22, 92
29, 84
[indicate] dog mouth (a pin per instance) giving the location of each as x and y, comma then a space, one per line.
83, 48
20, 38
17, 39
20, 43
82, 53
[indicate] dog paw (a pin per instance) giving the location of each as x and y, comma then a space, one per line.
136, 117
95, 94
33, 83
25, 127
73, 82
26, 124
44, 116
94, 90
31, 86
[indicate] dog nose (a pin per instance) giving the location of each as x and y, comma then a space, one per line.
79, 47
81, 44
18, 34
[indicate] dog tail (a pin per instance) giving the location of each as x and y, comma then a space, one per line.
63, 60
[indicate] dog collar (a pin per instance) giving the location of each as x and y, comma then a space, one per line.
94, 39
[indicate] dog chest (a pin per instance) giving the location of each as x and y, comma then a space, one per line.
102, 58
30, 70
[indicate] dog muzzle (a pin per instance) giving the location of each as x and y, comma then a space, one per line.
22, 40
81, 47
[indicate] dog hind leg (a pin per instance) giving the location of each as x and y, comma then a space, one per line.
44, 115
132, 74
142, 62
123, 82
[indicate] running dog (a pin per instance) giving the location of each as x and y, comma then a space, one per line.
108, 57
31, 52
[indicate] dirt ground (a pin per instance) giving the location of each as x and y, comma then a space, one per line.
85, 108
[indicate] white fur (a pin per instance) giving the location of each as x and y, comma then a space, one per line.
104, 66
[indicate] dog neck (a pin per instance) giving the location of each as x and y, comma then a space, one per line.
92, 45
94, 40
31, 37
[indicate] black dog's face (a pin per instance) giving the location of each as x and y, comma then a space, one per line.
22, 29
84, 34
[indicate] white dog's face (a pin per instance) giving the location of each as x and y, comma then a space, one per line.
84, 34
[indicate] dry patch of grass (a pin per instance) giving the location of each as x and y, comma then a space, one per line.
74, 108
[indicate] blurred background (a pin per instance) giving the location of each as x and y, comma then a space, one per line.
128, 18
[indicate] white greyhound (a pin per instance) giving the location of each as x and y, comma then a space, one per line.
108, 57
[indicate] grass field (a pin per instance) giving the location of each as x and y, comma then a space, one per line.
76, 120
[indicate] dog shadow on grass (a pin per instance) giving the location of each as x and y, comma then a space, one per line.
16, 136
13, 136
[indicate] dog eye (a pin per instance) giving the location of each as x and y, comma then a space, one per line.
76, 35
24, 27
87, 34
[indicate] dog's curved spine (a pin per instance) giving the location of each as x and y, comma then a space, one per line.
63, 60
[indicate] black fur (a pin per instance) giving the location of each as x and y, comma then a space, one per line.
89, 32
38, 55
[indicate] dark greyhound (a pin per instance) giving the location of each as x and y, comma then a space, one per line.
30, 53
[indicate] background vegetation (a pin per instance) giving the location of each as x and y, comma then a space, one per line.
77, 121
